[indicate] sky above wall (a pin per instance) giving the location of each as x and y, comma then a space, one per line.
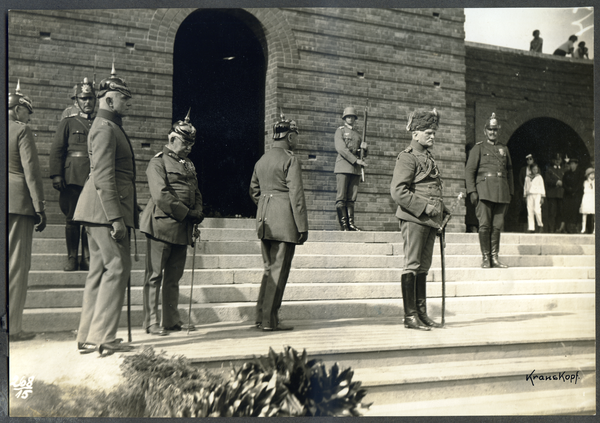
513, 27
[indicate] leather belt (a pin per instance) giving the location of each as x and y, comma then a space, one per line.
77, 154
497, 174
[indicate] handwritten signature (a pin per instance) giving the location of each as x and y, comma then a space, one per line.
23, 386
561, 376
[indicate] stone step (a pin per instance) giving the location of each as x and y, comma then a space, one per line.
61, 319
249, 234
72, 296
59, 278
58, 246
314, 261
569, 401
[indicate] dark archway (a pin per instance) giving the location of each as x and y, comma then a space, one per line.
219, 70
543, 138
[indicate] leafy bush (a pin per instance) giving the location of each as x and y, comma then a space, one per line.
285, 384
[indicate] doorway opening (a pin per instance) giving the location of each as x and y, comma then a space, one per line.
219, 71
542, 138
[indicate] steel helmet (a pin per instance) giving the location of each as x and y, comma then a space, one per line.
349, 111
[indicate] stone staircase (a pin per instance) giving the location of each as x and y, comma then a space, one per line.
334, 275
344, 299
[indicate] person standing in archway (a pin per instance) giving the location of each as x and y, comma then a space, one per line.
573, 184
554, 194
348, 144
490, 187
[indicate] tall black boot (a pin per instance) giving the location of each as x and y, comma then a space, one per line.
72, 238
421, 288
351, 225
484, 243
496, 249
84, 263
342, 216
411, 321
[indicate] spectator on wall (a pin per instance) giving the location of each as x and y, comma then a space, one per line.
581, 52
536, 43
567, 47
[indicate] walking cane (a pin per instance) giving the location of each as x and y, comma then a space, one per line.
442, 234
196, 235
136, 258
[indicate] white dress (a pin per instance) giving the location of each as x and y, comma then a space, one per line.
587, 202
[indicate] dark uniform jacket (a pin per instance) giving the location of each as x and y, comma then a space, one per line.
347, 144
417, 182
174, 191
69, 153
552, 176
25, 191
489, 172
109, 193
276, 188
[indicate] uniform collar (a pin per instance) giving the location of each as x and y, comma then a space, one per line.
109, 115
168, 152
491, 142
87, 116
418, 148
346, 124
281, 144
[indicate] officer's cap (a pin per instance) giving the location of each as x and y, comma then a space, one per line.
349, 111
17, 98
529, 156
422, 120
492, 122
83, 89
184, 128
113, 83
588, 171
283, 127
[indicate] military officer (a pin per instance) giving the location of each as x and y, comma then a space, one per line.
108, 208
348, 144
490, 187
554, 194
26, 207
281, 221
168, 220
70, 166
417, 190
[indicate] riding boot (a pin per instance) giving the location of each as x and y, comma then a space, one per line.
72, 238
351, 225
84, 264
411, 321
484, 243
342, 216
421, 289
496, 249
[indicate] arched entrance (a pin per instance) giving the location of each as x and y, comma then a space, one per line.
543, 138
219, 70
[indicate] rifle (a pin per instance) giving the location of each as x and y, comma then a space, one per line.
442, 234
364, 139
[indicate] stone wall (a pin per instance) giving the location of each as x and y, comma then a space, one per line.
413, 58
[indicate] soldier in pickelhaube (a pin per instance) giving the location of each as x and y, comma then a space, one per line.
108, 207
69, 167
348, 144
168, 220
417, 190
490, 187
26, 207
281, 219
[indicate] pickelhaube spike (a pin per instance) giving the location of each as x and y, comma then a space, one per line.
17, 98
492, 122
283, 127
113, 83
184, 128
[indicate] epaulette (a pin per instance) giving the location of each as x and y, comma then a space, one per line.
289, 152
480, 142
342, 127
19, 122
159, 154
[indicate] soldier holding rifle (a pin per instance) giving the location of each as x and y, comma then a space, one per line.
349, 165
417, 190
